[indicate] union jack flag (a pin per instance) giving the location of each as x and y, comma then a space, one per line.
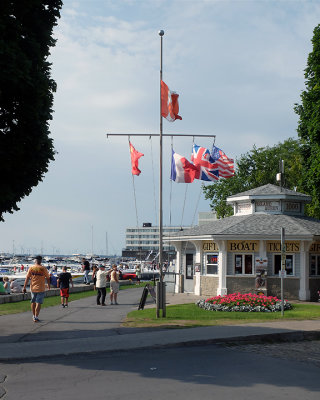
207, 169
224, 163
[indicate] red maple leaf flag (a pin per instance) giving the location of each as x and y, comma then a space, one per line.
169, 103
135, 155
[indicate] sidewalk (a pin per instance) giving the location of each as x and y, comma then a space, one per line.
85, 327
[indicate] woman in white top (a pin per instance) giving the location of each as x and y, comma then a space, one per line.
15, 286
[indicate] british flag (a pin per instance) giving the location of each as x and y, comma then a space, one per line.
207, 169
224, 163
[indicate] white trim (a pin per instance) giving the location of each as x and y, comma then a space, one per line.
243, 264
206, 264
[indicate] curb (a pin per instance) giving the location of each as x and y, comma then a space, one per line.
283, 337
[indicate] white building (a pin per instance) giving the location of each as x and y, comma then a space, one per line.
144, 241
228, 255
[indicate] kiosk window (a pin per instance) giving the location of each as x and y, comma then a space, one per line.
243, 264
189, 266
212, 264
277, 264
315, 265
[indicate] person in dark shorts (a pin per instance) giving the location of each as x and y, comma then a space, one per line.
64, 280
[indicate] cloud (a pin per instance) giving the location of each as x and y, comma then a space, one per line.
237, 65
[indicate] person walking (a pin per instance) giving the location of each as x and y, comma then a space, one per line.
114, 285
37, 274
86, 270
64, 280
101, 283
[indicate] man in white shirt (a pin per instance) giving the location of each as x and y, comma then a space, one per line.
101, 284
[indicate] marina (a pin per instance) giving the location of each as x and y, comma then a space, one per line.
16, 267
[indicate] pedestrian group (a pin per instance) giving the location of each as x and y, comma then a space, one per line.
38, 275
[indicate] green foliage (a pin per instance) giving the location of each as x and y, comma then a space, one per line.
309, 127
26, 96
256, 168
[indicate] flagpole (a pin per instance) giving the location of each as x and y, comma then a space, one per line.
160, 291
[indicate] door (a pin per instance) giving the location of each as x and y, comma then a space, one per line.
188, 282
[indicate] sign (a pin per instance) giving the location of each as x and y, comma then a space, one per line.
315, 247
292, 206
261, 262
267, 205
244, 208
209, 246
147, 289
243, 246
282, 273
275, 246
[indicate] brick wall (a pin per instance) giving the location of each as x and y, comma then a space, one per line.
291, 287
209, 286
314, 285
240, 284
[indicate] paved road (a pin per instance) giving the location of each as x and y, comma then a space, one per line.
100, 361
307, 351
208, 372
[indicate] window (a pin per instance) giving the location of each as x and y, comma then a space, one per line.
314, 265
189, 266
212, 264
243, 264
277, 264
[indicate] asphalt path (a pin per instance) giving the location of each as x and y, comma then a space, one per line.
82, 319
204, 372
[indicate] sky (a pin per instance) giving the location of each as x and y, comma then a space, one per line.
238, 67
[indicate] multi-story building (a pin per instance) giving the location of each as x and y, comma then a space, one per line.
143, 242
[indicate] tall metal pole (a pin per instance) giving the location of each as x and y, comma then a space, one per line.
283, 267
160, 286
91, 243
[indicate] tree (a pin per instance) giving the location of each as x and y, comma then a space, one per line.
309, 127
255, 168
26, 96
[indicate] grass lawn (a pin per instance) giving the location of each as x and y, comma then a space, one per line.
22, 306
191, 315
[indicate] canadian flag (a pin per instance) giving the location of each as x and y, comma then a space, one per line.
169, 103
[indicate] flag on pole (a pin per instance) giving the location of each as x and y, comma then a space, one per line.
135, 155
182, 171
169, 103
207, 169
225, 164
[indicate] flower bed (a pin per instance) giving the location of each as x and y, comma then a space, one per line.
237, 302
